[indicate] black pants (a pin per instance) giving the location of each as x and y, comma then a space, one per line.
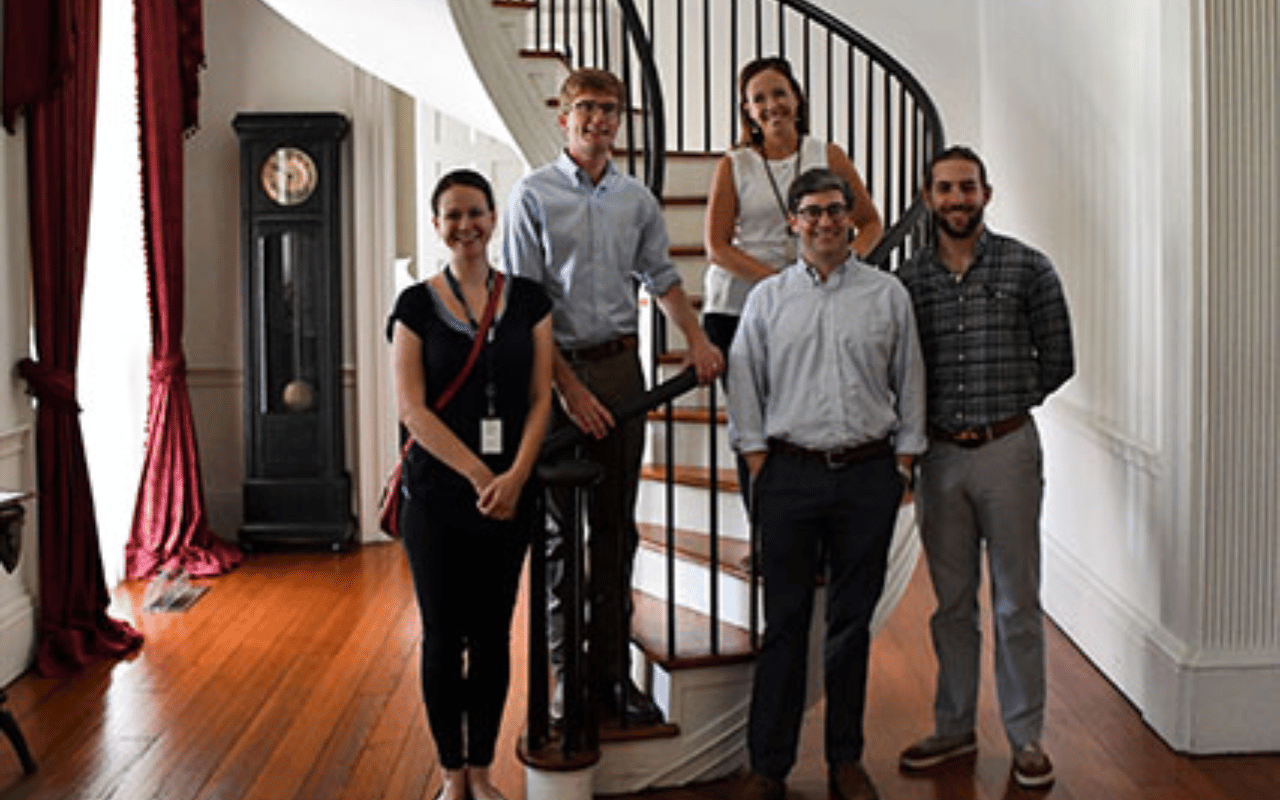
720, 329
466, 581
805, 510
612, 537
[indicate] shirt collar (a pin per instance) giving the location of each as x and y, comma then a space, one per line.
571, 170
979, 251
837, 274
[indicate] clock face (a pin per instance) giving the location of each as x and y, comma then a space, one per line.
288, 175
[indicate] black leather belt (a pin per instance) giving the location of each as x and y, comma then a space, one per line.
837, 458
597, 352
976, 437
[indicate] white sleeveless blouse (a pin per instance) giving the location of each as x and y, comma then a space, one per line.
761, 229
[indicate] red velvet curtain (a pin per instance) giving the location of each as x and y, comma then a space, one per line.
170, 523
51, 71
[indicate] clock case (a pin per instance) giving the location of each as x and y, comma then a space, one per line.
297, 489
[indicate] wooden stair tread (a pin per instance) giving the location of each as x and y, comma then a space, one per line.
693, 636
525, 5
700, 477
688, 250
684, 200
698, 414
696, 546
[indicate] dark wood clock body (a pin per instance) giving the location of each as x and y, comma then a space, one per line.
296, 489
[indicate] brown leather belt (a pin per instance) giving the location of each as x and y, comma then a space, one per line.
834, 459
976, 437
597, 352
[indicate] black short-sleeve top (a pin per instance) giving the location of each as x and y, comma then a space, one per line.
505, 361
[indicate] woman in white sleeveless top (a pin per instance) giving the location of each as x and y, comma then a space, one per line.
747, 234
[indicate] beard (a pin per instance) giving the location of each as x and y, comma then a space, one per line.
974, 222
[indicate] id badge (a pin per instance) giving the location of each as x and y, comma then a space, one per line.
491, 436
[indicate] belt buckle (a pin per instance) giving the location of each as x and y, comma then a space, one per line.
831, 458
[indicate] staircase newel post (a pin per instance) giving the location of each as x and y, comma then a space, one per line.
563, 769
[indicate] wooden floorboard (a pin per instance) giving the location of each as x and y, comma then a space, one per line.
296, 678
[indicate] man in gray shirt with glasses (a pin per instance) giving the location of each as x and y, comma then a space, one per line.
826, 404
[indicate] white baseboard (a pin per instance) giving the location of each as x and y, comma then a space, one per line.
18, 634
1198, 702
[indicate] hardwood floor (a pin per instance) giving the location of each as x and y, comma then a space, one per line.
297, 677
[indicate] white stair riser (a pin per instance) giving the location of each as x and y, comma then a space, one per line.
689, 443
689, 177
685, 224
691, 509
692, 590
692, 269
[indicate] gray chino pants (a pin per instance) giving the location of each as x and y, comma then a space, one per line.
967, 497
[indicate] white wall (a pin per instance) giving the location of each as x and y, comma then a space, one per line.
937, 42
17, 453
1092, 122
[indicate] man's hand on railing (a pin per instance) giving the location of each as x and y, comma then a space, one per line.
584, 409
640, 404
706, 359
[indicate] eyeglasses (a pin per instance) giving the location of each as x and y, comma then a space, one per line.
588, 108
813, 214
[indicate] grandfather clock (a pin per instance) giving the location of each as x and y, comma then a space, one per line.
297, 489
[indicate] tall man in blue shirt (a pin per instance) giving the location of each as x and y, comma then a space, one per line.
588, 233
997, 342
826, 405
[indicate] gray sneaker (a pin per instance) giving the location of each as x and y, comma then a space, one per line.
1032, 769
934, 750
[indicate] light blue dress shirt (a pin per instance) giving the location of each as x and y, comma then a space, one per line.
587, 244
827, 364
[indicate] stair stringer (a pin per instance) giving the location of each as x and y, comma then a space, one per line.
505, 75
710, 705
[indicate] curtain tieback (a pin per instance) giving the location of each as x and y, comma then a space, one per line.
167, 370
52, 386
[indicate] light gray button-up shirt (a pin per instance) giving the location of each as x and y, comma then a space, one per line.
587, 244
827, 364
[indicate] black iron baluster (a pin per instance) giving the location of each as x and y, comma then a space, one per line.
713, 515
887, 98
706, 75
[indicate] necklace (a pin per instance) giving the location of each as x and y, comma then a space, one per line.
777, 195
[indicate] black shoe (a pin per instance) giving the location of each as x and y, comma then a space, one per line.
640, 710
849, 782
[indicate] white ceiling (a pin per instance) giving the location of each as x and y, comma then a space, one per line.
411, 44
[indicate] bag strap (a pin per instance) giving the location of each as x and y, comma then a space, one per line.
490, 310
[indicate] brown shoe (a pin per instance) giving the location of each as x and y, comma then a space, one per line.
850, 782
760, 787
933, 750
1032, 769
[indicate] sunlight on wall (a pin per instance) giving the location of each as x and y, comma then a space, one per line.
115, 330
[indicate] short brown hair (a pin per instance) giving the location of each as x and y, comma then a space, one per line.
590, 80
